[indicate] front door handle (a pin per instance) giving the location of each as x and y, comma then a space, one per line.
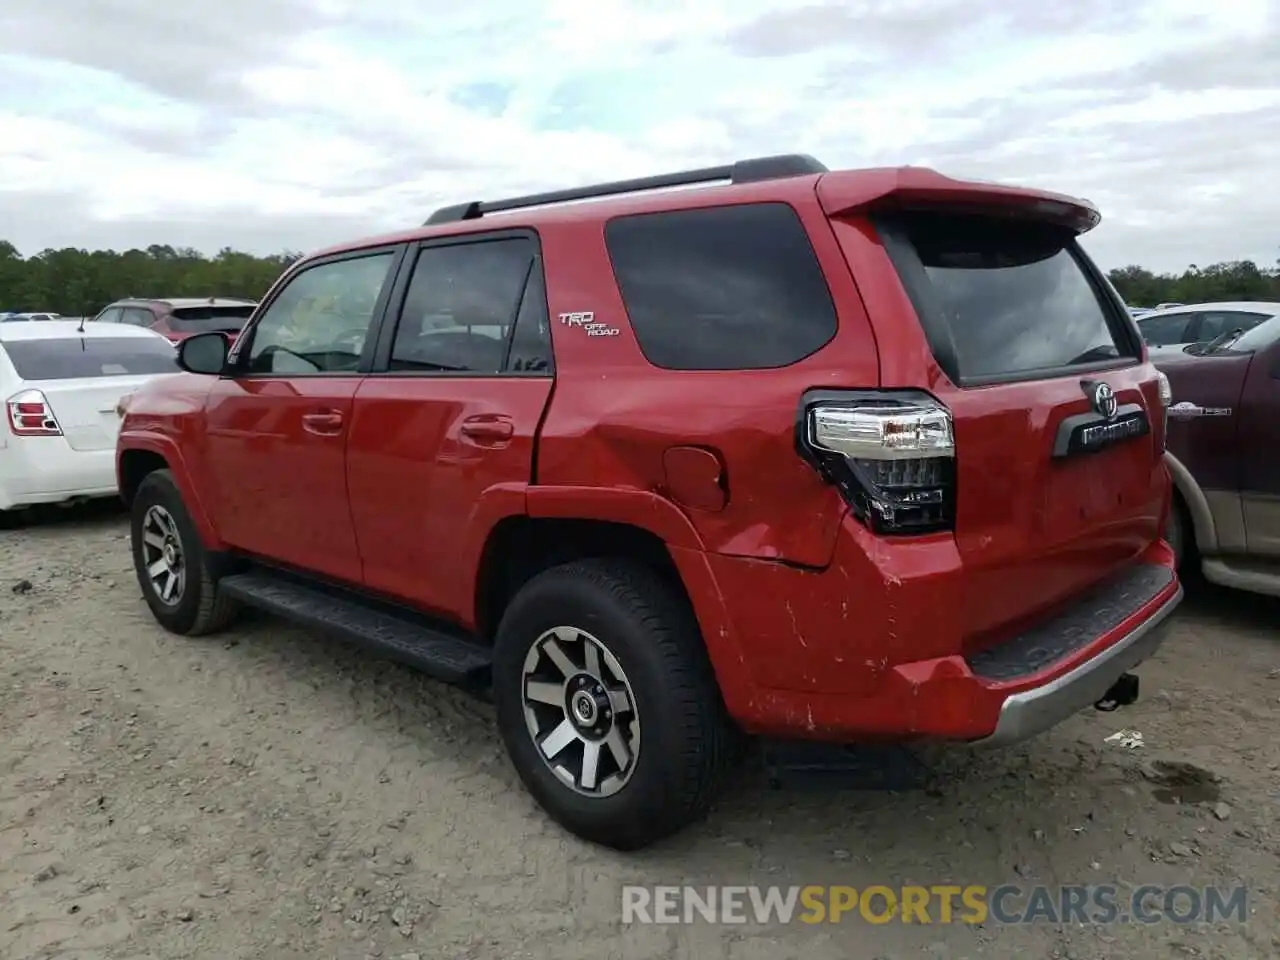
489, 428
326, 424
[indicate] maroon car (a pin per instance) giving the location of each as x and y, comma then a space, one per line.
1224, 455
181, 317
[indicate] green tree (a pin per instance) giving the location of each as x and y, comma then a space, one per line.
81, 282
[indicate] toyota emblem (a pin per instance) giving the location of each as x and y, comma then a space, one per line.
1104, 400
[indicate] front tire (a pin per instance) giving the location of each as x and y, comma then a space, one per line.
607, 703
171, 563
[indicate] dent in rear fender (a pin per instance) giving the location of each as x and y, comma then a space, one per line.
165, 447
843, 628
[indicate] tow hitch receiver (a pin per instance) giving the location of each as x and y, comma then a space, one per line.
1122, 693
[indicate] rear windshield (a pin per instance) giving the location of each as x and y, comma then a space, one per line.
74, 358
1001, 299
207, 319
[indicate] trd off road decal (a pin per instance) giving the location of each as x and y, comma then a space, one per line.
1192, 411
587, 321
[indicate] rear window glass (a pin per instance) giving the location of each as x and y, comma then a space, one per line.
1002, 298
207, 319
74, 358
724, 288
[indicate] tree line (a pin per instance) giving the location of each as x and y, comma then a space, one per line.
81, 282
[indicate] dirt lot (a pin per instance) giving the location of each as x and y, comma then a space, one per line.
269, 794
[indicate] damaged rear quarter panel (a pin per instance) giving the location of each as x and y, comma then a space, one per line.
614, 416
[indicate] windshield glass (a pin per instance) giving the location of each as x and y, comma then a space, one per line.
1263, 335
75, 358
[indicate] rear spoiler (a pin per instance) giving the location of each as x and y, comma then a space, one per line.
843, 193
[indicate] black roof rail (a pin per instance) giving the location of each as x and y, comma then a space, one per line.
743, 171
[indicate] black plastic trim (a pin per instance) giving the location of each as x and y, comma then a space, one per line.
1069, 441
395, 632
1084, 620
751, 170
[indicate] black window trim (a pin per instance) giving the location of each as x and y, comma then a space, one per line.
244, 342
910, 270
390, 321
766, 202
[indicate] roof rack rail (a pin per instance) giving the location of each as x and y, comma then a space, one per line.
743, 171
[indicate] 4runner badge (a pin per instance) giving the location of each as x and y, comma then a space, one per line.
587, 321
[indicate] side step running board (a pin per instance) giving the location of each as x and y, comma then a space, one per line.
444, 656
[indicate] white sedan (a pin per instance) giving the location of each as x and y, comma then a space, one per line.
60, 383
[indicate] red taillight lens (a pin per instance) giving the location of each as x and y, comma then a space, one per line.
31, 416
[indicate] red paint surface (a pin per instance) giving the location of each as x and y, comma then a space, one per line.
815, 627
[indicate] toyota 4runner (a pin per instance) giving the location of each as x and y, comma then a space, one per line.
844, 456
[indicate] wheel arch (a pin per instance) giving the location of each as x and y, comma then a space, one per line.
1187, 492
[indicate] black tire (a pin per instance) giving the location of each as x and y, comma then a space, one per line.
198, 609
1180, 534
687, 743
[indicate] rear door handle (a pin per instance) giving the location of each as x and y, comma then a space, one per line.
326, 424
491, 428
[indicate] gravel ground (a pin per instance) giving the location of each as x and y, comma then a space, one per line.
267, 793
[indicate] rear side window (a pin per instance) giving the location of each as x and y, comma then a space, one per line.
75, 358
1003, 299
208, 319
723, 288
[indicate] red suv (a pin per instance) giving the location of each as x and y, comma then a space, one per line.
844, 456
178, 317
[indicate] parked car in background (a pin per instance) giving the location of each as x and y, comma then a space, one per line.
1224, 457
1173, 328
1136, 312
178, 318
656, 471
60, 388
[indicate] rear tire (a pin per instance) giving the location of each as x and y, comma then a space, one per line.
172, 564
584, 653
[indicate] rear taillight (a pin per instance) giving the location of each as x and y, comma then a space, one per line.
31, 416
891, 453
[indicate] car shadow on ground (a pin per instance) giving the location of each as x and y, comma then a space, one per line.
91, 514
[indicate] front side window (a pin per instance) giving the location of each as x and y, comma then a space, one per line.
721, 288
319, 322
461, 305
110, 315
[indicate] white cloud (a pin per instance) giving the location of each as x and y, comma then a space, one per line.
297, 123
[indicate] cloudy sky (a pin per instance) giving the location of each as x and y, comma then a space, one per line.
273, 124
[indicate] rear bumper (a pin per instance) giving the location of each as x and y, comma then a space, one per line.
1025, 714
843, 677
37, 470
